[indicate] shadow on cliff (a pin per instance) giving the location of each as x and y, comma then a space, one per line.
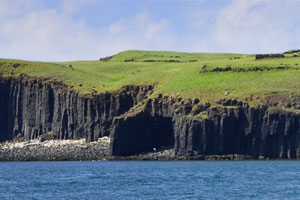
139, 133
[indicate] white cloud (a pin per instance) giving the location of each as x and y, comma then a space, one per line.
239, 11
30, 30
254, 26
14, 8
50, 34
117, 27
144, 33
248, 26
42, 35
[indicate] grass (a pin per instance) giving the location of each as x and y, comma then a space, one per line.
172, 72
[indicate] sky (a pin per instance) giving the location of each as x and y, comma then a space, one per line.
62, 30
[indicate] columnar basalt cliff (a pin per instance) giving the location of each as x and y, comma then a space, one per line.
137, 123
32, 107
199, 129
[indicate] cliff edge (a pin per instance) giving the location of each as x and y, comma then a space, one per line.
138, 122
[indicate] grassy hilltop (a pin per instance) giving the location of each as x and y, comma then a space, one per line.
173, 72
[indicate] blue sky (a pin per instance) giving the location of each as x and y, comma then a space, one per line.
57, 30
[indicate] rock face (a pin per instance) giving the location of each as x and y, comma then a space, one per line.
195, 129
135, 123
32, 107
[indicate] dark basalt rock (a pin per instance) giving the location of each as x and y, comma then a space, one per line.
16, 65
106, 58
231, 102
254, 69
264, 56
255, 132
171, 60
31, 107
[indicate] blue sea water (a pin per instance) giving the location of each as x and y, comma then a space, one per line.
150, 180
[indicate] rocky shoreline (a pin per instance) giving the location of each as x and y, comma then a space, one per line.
169, 155
54, 150
80, 150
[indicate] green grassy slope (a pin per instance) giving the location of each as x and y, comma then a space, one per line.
173, 73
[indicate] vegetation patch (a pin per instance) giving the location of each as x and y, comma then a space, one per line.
172, 73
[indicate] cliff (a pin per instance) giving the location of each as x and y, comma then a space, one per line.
32, 107
195, 129
136, 123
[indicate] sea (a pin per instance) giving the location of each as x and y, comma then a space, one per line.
131, 180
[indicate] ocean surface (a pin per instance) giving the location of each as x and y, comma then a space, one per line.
150, 180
